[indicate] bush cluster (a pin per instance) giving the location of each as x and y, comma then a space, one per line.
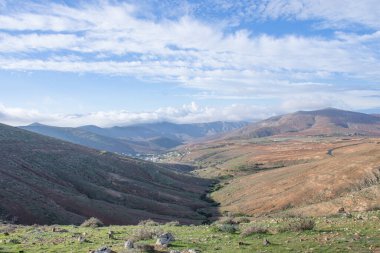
92, 222
254, 229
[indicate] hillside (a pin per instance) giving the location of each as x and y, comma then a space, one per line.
47, 181
326, 122
141, 138
347, 176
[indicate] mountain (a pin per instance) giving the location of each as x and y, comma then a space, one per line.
141, 138
326, 122
346, 176
48, 181
82, 137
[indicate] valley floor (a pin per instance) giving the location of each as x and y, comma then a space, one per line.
359, 232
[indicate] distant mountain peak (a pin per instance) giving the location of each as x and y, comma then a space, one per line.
324, 122
35, 124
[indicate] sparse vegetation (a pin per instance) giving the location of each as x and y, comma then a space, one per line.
254, 229
299, 224
148, 222
146, 233
92, 223
330, 234
173, 223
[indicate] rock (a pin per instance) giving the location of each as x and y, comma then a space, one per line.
190, 251
341, 210
110, 234
129, 244
347, 215
165, 239
266, 242
175, 251
104, 250
356, 236
81, 239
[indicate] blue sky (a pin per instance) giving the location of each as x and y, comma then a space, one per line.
72, 63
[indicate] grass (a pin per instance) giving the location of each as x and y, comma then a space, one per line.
330, 234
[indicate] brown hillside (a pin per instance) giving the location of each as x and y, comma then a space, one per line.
326, 122
348, 177
45, 181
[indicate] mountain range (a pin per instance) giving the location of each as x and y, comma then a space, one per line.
325, 122
134, 139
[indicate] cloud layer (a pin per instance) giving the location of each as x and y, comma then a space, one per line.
188, 113
217, 55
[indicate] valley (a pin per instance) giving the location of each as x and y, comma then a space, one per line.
326, 173
48, 181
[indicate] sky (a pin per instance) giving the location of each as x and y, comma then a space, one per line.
109, 62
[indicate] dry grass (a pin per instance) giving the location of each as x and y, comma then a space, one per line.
92, 222
348, 174
254, 229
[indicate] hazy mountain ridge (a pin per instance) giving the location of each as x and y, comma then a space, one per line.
325, 122
141, 138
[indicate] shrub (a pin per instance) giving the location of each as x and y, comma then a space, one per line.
173, 223
92, 222
239, 220
145, 248
146, 233
299, 225
226, 220
227, 228
254, 230
148, 222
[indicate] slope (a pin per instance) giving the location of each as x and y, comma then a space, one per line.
348, 177
326, 122
45, 181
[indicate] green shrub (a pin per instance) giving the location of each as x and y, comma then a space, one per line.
146, 248
148, 222
92, 222
240, 220
226, 220
146, 233
227, 228
173, 223
254, 230
301, 224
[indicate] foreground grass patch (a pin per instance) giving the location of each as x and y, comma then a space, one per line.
330, 234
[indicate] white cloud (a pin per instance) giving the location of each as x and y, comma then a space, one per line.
334, 13
188, 113
110, 38
194, 113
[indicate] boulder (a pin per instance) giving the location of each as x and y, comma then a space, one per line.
104, 250
129, 244
165, 239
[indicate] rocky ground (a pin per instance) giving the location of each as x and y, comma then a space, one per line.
342, 232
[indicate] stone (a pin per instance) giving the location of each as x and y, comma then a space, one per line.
110, 234
165, 239
81, 239
104, 250
129, 244
341, 210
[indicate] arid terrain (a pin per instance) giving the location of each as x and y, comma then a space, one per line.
48, 181
300, 171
